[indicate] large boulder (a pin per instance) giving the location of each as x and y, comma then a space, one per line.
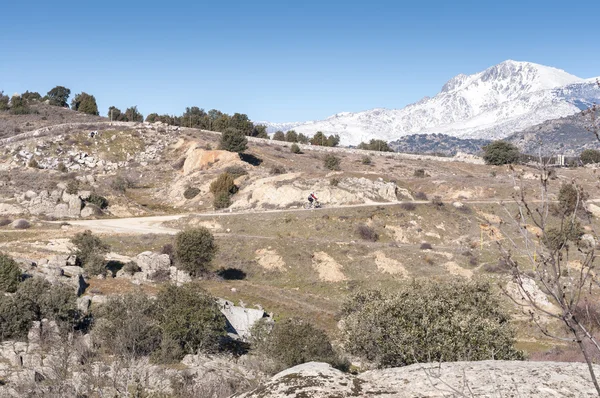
202, 159
152, 263
240, 320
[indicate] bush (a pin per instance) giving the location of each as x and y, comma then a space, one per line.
95, 265
425, 246
277, 170
127, 325
429, 322
72, 187
131, 268
589, 156
191, 193
295, 149
233, 140
366, 160
334, 182
61, 167
570, 198
500, 152
189, 320
22, 224
409, 206
236, 171
121, 183
88, 248
224, 183
295, 341
194, 249
34, 300
222, 200
33, 164
420, 173
10, 274
332, 162
420, 196
437, 201
367, 233
100, 201
4, 222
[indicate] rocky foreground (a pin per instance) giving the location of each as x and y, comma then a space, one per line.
456, 379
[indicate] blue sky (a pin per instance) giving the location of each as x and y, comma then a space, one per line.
281, 60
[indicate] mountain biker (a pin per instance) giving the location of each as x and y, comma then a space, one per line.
312, 198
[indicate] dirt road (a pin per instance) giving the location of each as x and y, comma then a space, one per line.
154, 224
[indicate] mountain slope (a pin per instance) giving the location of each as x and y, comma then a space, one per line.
491, 104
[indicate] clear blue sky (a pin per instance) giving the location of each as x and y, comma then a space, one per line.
281, 60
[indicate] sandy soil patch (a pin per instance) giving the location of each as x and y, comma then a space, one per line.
457, 270
389, 265
329, 270
270, 260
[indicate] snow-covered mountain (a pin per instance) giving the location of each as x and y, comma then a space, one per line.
492, 104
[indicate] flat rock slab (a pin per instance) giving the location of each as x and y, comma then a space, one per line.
455, 379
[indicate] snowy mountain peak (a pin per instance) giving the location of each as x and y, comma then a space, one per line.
490, 104
521, 76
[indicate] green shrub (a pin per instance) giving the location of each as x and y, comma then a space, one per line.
571, 198
500, 152
33, 164
334, 182
61, 167
366, 160
222, 200
22, 224
420, 173
191, 192
95, 265
558, 238
236, 171
224, 183
121, 183
10, 274
295, 149
295, 341
131, 268
97, 200
128, 325
189, 319
428, 322
589, 156
367, 233
34, 300
72, 187
279, 136
233, 140
88, 248
275, 170
194, 249
332, 162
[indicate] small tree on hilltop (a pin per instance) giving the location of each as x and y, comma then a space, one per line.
4, 100
133, 115
10, 274
332, 162
291, 136
500, 152
233, 140
59, 96
194, 249
83, 102
279, 136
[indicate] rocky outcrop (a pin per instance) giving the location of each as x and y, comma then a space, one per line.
288, 190
454, 379
58, 269
202, 159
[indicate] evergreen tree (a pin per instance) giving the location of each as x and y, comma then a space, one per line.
59, 96
233, 140
85, 103
279, 136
